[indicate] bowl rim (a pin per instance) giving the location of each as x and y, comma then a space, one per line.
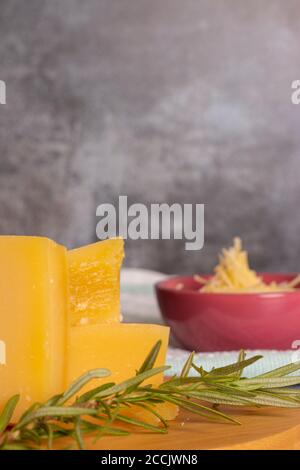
161, 286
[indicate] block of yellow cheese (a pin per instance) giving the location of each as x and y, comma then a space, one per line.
119, 347
33, 318
94, 274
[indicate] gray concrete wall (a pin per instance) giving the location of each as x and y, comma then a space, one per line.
162, 100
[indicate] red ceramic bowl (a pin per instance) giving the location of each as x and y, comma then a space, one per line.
227, 322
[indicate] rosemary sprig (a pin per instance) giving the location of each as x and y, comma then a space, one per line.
102, 410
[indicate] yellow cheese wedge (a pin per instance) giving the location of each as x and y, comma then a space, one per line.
94, 273
33, 318
121, 348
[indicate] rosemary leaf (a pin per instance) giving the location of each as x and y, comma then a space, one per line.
236, 367
101, 410
54, 412
142, 424
187, 366
152, 411
79, 383
261, 383
77, 432
130, 382
281, 371
150, 359
201, 410
7, 412
90, 395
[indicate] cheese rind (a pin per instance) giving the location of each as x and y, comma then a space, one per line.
121, 348
94, 273
33, 318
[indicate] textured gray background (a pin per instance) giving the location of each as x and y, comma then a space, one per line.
162, 100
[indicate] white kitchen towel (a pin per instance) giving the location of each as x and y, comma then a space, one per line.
139, 306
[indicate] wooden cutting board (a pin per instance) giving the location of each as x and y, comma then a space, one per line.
262, 428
